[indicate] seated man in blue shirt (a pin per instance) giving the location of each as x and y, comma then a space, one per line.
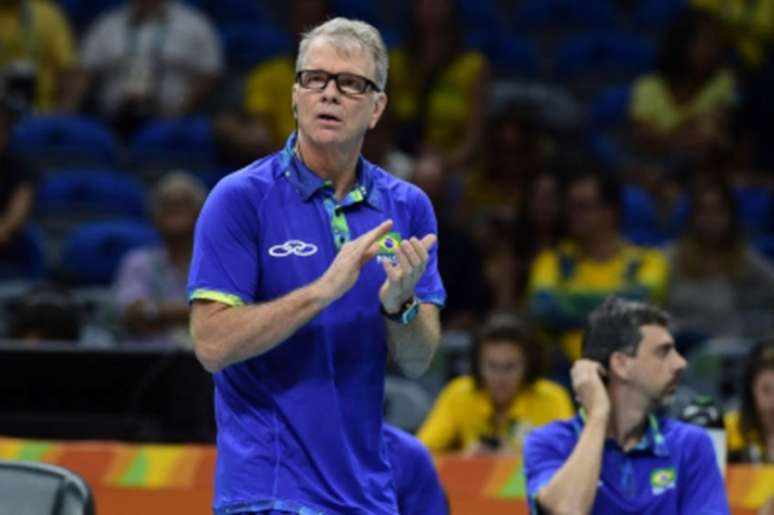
308, 267
417, 484
617, 456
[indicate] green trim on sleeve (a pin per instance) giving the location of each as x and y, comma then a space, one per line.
217, 296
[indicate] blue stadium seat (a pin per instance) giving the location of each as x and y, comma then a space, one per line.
358, 10
765, 245
93, 251
587, 14
656, 14
603, 53
610, 107
477, 15
59, 140
604, 148
226, 12
179, 143
247, 45
642, 223
82, 13
754, 207
25, 257
96, 193
511, 55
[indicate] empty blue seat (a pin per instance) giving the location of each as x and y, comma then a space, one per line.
49, 140
479, 15
93, 251
754, 207
643, 224
247, 45
82, 13
595, 53
511, 55
177, 143
656, 14
91, 192
226, 12
541, 14
358, 10
610, 107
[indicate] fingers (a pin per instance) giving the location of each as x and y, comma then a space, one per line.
409, 249
395, 276
429, 240
369, 254
366, 240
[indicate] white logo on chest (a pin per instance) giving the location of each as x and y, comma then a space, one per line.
293, 248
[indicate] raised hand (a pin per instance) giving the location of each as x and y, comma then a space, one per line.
342, 274
412, 255
589, 387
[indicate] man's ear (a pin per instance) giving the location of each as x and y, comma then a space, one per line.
294, 100
619, 365
379, 106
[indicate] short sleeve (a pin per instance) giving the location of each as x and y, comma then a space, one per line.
543, 457
430, 287
650, 105
224, 265
702, 490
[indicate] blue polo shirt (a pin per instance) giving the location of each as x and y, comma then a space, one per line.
416, 480
672, 470
300, 427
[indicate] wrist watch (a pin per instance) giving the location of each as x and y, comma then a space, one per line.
407, 312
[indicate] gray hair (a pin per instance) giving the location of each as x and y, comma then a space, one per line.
615, 326
345, 34
178, 180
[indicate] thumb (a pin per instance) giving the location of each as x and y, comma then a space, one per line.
429, 240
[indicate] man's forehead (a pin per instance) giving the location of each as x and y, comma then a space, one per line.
349, 55
654, 335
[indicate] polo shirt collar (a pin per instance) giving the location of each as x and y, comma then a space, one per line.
307, 183
653, 440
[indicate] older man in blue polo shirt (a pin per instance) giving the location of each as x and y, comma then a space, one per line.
308, 267
617, 456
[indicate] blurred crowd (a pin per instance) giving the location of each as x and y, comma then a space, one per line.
571, 150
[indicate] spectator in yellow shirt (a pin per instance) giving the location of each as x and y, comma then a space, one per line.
37, 58
749, 24
263, 121
750, 431
504, 397
569, 280
438, 91
683, 108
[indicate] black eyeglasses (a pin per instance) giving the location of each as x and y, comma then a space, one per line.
346, 83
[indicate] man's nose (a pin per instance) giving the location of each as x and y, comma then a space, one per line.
680, 363
331, 90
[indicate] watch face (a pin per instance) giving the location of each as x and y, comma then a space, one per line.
410, 313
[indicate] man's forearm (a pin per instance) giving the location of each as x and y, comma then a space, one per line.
574, 486
225, 335
413, 345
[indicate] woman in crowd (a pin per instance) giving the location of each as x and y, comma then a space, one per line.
682, 110
492, 409
750, 430
720, 286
